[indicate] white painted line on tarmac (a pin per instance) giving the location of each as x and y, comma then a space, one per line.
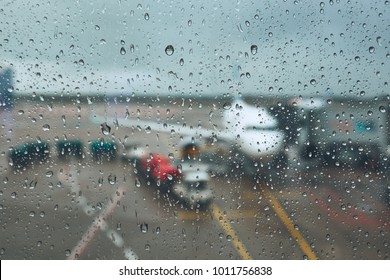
99, 223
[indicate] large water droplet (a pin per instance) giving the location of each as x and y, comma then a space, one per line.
112, 179
46, 127
144, 227
106, 129
137, 183
169, 50
254, 49
371, 49
227, 105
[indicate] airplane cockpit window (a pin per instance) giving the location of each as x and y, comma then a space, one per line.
189, 130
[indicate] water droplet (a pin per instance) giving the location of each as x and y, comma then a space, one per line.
371, 49
97, 27
32, 214
106, 129
132, 48
46, 127
313, 81
116, 123
169, 50
49, 174
81, 62
137, 183
379, 40
146, 16
158, 230
112, 179
148, 130
227, 105
14, 195
181, 62
20, 112
382, 109
144, 227
122, 51
254, 49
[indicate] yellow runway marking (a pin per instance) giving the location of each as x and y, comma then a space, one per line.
290, 226
191, 215
219, 216
232, 214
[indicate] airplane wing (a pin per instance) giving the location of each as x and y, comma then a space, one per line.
161, 126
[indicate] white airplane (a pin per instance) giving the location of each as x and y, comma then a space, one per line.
251, 132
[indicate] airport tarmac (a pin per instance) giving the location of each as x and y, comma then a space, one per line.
83, 209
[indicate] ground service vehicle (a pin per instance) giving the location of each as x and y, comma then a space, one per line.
341, 132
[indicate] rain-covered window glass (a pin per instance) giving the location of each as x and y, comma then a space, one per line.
194, 129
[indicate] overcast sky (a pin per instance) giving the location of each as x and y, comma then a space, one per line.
219, 47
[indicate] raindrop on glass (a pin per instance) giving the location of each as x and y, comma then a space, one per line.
379, 40
144, 227
106, 129
254, 49
227, 105
112, 179
169, 50
46, 127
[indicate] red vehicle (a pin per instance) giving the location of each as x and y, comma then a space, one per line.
160, 169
